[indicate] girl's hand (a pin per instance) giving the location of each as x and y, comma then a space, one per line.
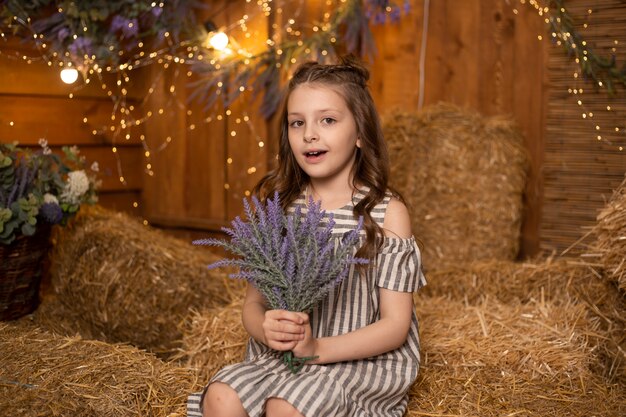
306, 347
282, 329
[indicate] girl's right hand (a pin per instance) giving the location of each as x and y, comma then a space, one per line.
283, 329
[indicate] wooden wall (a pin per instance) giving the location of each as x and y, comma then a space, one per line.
479, 54
35, 104
217, 154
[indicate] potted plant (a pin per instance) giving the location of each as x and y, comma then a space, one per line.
38, 189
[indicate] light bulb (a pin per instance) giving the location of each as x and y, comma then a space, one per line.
69, 75
219, 40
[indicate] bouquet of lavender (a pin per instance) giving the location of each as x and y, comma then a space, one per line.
290, 259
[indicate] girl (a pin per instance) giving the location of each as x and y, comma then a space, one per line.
364, 335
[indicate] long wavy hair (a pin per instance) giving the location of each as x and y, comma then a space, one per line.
349, 78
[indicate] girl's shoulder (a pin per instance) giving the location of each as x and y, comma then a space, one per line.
397, 221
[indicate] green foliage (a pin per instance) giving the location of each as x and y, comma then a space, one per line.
602, 71
102, 32
41, 187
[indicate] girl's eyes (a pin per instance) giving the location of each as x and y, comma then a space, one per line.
299, 123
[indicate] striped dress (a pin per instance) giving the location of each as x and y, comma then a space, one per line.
376, 386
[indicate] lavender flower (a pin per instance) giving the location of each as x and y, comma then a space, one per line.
129, 27
52, 213
63, 34
81, 46
291, 259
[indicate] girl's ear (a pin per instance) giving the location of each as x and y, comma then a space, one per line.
358, 142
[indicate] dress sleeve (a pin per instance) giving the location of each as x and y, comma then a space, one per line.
399, 265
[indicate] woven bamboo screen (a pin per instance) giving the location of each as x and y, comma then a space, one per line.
580, 171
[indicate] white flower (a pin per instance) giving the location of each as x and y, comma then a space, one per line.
44, 144
95, 167
49, 198
76, 186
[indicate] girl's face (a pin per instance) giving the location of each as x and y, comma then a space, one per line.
322, 132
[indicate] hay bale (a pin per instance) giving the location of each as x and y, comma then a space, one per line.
551, 278
213, 339
561, 281
42, 374
494, 359
463, 177
121, 281
609, 247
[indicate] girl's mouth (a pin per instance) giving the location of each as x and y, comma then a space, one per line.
313, 157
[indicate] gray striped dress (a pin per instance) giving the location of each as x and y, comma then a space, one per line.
370, 387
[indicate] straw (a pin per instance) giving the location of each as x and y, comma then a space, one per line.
213, 339
121, 281
609, 248
496, 359
42, 374
463, 177
561, 281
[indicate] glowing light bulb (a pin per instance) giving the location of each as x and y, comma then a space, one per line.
69, 75
218, 40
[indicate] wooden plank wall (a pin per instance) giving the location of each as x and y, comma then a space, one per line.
480, 54
35, 104
216, 155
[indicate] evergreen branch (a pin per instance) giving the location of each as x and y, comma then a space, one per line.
602, 71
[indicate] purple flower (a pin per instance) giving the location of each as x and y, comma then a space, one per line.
293, 259
129, 27
81, 46
156, 11
51, 213
62, 34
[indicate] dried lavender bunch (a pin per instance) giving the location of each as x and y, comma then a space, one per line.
290, 259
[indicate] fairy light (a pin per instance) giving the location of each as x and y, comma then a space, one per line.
123, 118
69, 75
218, 40
563, 37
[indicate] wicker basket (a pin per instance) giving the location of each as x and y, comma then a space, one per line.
21, 268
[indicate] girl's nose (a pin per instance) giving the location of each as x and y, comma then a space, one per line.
310, 136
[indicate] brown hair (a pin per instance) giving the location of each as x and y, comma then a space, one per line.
371, 167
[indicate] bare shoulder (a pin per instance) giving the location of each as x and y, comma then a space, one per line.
397, 220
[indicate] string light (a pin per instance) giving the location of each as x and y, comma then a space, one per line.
565, 37
219, 41
125, 117
69, 75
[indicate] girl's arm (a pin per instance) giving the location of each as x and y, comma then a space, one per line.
386, 334
278, 329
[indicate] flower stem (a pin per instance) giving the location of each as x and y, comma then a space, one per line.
295, 364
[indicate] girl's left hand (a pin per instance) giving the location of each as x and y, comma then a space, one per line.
306, 347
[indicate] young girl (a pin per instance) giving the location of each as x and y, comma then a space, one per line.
364, 336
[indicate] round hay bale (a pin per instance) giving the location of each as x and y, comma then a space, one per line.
494, 359
610, 232
42, 374
561, 281
125, 282
213, 339
463, 177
